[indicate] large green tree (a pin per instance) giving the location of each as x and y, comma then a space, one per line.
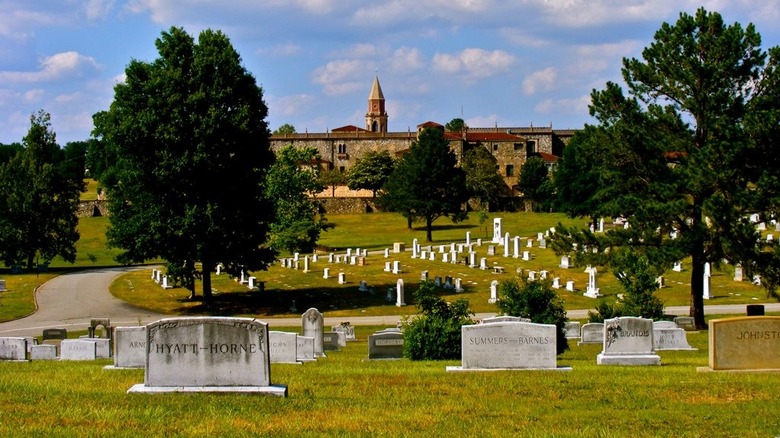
39, 200
189, 138
371, 171
535, 183
291, 180
427, 183
691, 150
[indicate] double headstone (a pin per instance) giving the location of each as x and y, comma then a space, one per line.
208, 354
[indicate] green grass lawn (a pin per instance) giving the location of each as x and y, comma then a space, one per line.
347, 395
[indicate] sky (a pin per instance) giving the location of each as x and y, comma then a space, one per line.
490, 62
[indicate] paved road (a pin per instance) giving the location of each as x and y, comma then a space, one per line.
71, 300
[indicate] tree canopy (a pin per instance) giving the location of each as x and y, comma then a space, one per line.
482, 180
290, 180
427, 183
371, 171
535, 183
189, 138
690, 152
40, 198
285, 129
455, 125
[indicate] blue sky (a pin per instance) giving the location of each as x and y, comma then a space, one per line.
491, 62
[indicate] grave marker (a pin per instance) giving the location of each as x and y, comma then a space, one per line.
77, 349
129, 347
312, 323
745, 343
282, 347
628, 340
386, 345
507, 345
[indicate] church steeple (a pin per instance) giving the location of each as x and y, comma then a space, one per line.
376, 117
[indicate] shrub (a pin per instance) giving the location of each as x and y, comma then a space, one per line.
638, 278
435, 333
537, 301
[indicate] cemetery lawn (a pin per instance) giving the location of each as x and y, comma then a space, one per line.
346, 395
289, 292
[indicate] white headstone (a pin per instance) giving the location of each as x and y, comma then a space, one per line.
400, 293
516, 246
628, 340
396, 267
677, 267
305, 348
493, 291
507, 345
13, 348
208, 354
129, 347
342, 278
282, 347
312, 324
506, 245
497, 230
738, 273
43, 352
556, 283
483, 263
77, 349
570, 285
526, 256
326, 273
564, 262
592, 290
592, 333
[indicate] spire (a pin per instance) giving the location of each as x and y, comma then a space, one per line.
376, 90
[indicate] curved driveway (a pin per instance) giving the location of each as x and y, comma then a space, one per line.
71, 300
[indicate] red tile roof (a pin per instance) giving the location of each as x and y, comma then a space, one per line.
349, 128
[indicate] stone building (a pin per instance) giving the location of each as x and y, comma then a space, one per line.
342, 147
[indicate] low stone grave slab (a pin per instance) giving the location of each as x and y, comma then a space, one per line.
102, 346
13, 349
55, 333
572, 330
628, 340
283, 347
686, 323
670, 339
386, 345
129, 347
592, 333
208, 354
78, 349
306, 349
747, 343
508, 345
43, 352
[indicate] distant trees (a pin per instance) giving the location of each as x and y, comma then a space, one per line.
426, 183
455, 125
284, 129
189, 141
535, 184
40, 198
291, 179
482, 180
371, 171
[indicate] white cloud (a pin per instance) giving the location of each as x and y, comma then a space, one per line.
290, 105
405, 59
97, 9
32, 96
55, 67
340, 77
482, 121
361, 50
474, 63
540, 81
577, 105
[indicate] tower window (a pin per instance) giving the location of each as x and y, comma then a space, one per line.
510, 170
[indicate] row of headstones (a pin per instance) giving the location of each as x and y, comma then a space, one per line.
161, 279
667, 335
27, 348
592, 290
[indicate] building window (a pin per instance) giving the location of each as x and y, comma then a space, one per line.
495, 148
530, 148
342, 148
510, 170
341, 169
519, 147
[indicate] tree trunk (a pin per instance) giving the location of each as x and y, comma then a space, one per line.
697, 281
409, 222
428, 229
30, 260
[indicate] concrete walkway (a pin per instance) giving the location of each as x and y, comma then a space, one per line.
69, 301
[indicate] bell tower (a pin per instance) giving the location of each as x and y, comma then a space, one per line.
376, 117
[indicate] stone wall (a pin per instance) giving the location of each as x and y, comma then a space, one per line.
346, 205
92, 209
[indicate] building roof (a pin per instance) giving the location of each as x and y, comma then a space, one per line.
548, 158
349, 128
429, 124
376, 91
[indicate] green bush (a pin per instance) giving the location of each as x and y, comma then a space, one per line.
638, 277
537, 301
435, 333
